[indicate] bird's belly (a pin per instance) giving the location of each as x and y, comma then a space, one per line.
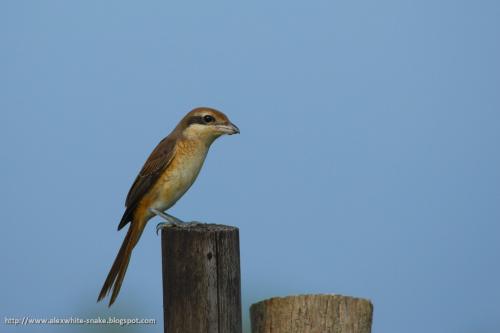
178, 178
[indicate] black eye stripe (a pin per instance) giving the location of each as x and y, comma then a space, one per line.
200, 120
196, 120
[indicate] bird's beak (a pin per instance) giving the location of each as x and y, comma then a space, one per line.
229, 129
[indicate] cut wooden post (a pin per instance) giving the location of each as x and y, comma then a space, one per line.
312, 314
201, 279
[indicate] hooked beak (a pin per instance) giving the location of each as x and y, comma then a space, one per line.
229, 129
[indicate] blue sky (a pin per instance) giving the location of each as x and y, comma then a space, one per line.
367, 165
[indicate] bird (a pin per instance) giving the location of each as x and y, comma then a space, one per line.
170, 170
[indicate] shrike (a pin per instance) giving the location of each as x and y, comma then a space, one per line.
167, 174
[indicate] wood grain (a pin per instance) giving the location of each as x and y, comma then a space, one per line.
312, 314
201, 279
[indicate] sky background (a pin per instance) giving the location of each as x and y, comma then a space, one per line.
368, 162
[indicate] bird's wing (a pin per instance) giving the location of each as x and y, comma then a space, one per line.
156, 163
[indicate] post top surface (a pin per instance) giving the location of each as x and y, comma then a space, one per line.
314, 297
201, 227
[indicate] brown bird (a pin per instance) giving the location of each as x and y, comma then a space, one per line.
167, 174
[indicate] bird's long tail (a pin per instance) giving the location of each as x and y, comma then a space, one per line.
117, 272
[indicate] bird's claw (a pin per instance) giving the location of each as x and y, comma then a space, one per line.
162, 225
170, 221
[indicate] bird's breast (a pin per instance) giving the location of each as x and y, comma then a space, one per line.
180, 174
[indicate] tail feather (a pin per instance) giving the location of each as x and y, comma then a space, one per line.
117, 272
127, 216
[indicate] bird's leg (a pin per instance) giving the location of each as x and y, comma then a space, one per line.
167, 217
170, 220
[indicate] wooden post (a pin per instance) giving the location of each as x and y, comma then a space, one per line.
312, 314
201, 279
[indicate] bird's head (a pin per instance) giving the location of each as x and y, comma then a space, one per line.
206, 124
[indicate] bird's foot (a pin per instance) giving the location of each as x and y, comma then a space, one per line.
170, 221
162, 225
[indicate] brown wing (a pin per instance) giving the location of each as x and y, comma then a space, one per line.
156, 163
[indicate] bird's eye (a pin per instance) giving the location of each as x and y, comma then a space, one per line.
208, 118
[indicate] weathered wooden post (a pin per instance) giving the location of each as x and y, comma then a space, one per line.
312, 314
201, 279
